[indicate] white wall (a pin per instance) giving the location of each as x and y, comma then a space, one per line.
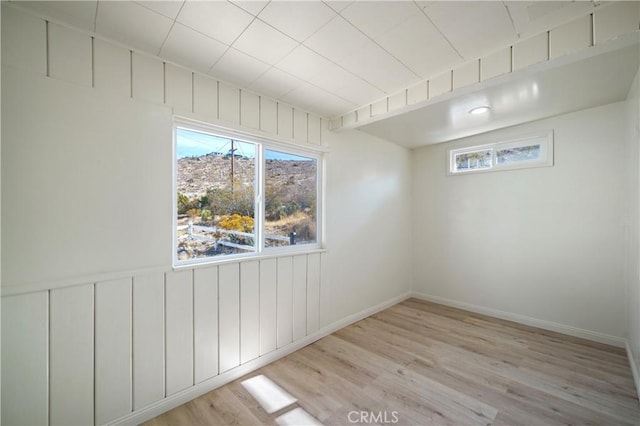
632, 270
95, 324
544, 244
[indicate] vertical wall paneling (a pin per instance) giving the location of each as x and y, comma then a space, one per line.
229, 317
268, 300
285, 121
178, 87
71, 359
229, 103
349, 118
440, 84
379, 107
299, 297
615, 20
315, 124
364, 113
147, 78
24, 40
179, 330
205, 97
398, 100
325, 294
285, 301
268, 115
25, 336
249, 311
70, 55
249, 110
496, 64
313, 293
466, 74
113, 350
205, 321
531, 51
300, 124
570, 37
148, 339
111, 68
418, 93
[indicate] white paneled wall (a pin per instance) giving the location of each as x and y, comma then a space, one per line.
47, 48
120, 326
96, 352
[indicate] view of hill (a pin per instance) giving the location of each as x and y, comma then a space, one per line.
216, 194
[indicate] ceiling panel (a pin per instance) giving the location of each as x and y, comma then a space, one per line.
377, 17
275, 83
221, 20
168, 8
298, 20
338, 5
317, 100
418, 44
133, 25
337, 39
303, 63
533, 17
379, 68
192, 49
474, 28
81, 15
346, 85
238, 68
264, 42
253, 7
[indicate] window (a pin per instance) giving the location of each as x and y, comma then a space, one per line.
535, 151
238, 195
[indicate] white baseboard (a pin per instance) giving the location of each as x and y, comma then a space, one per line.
634, 368
522, 319
208, 385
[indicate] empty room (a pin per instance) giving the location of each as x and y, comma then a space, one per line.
320, 212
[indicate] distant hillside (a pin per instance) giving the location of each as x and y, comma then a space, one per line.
198, 174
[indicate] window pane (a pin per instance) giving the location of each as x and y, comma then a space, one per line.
216, 195
521, 153
290, 199
474, 160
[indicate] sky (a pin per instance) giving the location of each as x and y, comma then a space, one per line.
195, 144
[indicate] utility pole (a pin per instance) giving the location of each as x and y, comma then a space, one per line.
233, 151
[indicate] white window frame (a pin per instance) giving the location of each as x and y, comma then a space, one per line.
544, 139
262, 144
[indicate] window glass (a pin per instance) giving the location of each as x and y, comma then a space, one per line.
290, 199
216, 195
516, 154
472, 160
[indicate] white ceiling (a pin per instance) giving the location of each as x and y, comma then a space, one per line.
543, 91
327, 57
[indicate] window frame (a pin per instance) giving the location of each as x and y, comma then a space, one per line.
262, 143
544, 139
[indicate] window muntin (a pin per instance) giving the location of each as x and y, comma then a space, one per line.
291, 199
534, 151
219, 208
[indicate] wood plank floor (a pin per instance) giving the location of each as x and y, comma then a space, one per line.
421, 363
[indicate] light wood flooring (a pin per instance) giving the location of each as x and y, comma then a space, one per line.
432, 364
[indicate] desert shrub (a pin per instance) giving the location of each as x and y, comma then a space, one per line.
206, 214
184, 204
193, 213
236, 222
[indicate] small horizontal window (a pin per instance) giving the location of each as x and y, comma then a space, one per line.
535, 151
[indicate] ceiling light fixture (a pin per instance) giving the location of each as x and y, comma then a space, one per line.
479, 110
